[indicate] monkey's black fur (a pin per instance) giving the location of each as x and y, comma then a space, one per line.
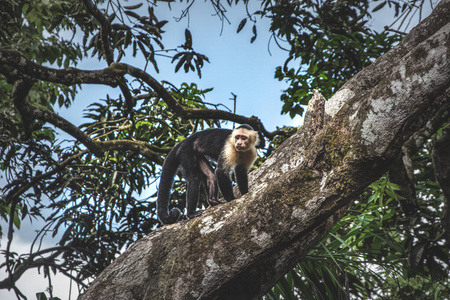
189, 154
192, 156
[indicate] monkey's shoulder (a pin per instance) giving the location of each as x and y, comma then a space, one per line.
215, 137
208, 134
208, 142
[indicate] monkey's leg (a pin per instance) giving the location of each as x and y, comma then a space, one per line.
225, 184
213, 191
194, 182
211, 181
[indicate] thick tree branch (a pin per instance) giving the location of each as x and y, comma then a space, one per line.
96, 147
13, 65
189, 112
441, 162
19, 67
239, 250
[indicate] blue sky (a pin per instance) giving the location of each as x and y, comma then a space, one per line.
237, 66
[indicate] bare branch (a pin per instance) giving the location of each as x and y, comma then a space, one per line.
28, 264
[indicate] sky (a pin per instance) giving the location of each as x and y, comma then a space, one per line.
238, 67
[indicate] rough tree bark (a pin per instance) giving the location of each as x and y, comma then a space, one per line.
240, 249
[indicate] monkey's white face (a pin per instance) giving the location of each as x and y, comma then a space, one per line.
242, 141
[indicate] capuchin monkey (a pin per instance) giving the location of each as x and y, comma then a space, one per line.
233, 150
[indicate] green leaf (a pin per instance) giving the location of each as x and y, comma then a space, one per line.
134, 6
41, 296
241, 25
132, 14
188, 37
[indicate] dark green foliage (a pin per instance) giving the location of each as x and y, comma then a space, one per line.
98, 205
378, 251
329, 43
95, 206
95, 203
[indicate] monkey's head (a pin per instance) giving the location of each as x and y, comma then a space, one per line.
244, 138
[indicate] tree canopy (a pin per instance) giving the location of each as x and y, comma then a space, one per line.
89, 184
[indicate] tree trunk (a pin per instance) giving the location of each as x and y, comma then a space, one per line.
240, 249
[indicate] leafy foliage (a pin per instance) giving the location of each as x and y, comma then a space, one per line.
379, 251
329, 41
91, 201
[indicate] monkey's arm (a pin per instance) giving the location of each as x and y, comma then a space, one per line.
225, 184
241, 178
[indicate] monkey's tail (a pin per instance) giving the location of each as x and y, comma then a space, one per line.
169, 170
